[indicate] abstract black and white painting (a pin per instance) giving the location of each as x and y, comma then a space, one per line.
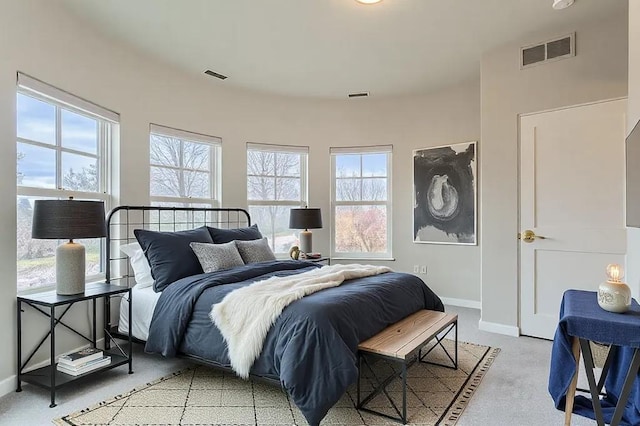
444, 183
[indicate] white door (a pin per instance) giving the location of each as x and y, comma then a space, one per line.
572, 194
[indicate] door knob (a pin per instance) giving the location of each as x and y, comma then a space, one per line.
528, 236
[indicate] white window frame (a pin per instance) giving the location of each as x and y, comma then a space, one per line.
303, 151
362, 150
107, 122
215, 169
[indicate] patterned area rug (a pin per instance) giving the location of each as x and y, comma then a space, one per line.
204, 396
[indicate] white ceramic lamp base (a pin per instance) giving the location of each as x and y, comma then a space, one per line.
613, 294
70, 268
305, 241
614, 297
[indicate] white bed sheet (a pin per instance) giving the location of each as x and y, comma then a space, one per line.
144, 303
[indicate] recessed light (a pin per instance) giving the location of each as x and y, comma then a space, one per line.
368, 1
561, 4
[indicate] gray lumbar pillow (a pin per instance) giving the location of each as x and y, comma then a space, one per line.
216, 257
255, 251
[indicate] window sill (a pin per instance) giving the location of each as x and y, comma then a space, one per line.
382, 259
52, 287
36, 290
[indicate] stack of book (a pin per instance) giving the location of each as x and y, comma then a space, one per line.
83, 361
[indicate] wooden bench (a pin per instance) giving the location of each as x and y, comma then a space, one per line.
402, 343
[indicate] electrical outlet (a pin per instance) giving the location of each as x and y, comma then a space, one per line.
416, 269
423, 269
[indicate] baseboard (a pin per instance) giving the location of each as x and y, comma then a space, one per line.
463, 303
9, 384
494, 327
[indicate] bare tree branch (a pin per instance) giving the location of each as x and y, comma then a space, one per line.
171, 152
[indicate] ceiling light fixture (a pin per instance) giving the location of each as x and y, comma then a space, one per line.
562, 4
368, 1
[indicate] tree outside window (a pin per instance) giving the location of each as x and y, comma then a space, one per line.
361, 204
60, 153
276, 182
184, 170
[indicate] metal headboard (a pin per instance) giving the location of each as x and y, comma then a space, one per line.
122, 220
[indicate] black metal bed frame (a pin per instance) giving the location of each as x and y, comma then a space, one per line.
121, 222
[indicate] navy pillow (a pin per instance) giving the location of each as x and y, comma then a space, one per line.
221, 236
170, 255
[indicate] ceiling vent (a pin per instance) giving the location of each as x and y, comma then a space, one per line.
215, 74
553, 50
359, 95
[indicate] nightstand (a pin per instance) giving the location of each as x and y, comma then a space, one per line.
45, 303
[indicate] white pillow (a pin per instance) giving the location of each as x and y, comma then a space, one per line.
139, 263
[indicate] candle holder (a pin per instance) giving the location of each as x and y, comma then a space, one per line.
614, 295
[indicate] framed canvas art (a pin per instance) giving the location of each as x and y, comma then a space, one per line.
444, 194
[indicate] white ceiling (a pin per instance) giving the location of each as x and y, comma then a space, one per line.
329, 48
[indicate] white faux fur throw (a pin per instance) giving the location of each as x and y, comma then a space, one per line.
245, 315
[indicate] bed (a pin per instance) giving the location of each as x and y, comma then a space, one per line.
311, 349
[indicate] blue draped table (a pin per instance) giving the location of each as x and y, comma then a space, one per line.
582, 320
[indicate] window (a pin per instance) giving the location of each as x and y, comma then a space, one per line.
276, 182
185, 169
62, 146
361, 202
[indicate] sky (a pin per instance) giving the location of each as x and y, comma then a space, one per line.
372, 165
36, 121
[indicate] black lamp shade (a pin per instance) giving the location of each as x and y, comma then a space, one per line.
68, 219
305, 219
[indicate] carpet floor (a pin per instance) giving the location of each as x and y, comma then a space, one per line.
204, 396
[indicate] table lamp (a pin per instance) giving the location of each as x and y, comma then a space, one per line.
305, 219
69, 219
614, 295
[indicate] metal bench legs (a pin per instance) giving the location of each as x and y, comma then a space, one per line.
380, 385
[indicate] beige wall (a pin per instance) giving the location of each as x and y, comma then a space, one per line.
633, 115
57, 49
599, 71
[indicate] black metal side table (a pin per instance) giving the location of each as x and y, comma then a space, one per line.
49, 377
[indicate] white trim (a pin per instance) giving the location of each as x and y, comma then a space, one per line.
493, 327
213, 143
34, 85
8, 385
291, 203
368, 257
387, 150
303, 201
526, 114
360, 149
184, 134
63, 101
190, 201
463, 303
292, 149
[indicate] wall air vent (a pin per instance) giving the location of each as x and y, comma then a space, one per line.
549, 51
359, 95
215, 74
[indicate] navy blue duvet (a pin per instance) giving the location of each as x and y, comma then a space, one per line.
311, 349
